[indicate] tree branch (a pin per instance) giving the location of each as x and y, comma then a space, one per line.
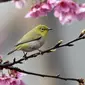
1, 1
58, 45
43, 75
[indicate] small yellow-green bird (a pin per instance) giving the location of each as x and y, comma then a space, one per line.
32, 40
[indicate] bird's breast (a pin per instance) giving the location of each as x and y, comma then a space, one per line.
34, 45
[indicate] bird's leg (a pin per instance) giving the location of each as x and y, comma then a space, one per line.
40, 51
25, 55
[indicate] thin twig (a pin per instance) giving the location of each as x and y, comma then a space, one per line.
43, 75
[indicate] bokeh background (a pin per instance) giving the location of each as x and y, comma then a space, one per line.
66, 61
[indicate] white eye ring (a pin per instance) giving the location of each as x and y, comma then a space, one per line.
42, 29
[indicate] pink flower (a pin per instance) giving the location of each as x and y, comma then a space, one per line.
52, 3
16, 82
80, 13
11, 79
39, 10
7, 80
65, 10
19, 3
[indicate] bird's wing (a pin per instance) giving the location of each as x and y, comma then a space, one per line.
28, 38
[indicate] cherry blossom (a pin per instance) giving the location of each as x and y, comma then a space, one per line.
19, 3
39, 10
80, 13
7, 80
65, 10
52, 3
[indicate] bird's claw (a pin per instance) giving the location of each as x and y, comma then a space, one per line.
41, 52
25, 54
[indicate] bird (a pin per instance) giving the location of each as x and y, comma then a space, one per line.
32, 40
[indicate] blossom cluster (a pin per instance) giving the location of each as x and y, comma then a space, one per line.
8, 80
65, 10
12, 77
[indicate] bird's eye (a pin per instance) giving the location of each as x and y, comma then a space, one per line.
42, 29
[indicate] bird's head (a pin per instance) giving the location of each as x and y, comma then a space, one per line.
42, 29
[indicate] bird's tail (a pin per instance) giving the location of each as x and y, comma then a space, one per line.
11, 51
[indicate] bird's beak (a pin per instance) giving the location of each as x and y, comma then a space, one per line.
49, 29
